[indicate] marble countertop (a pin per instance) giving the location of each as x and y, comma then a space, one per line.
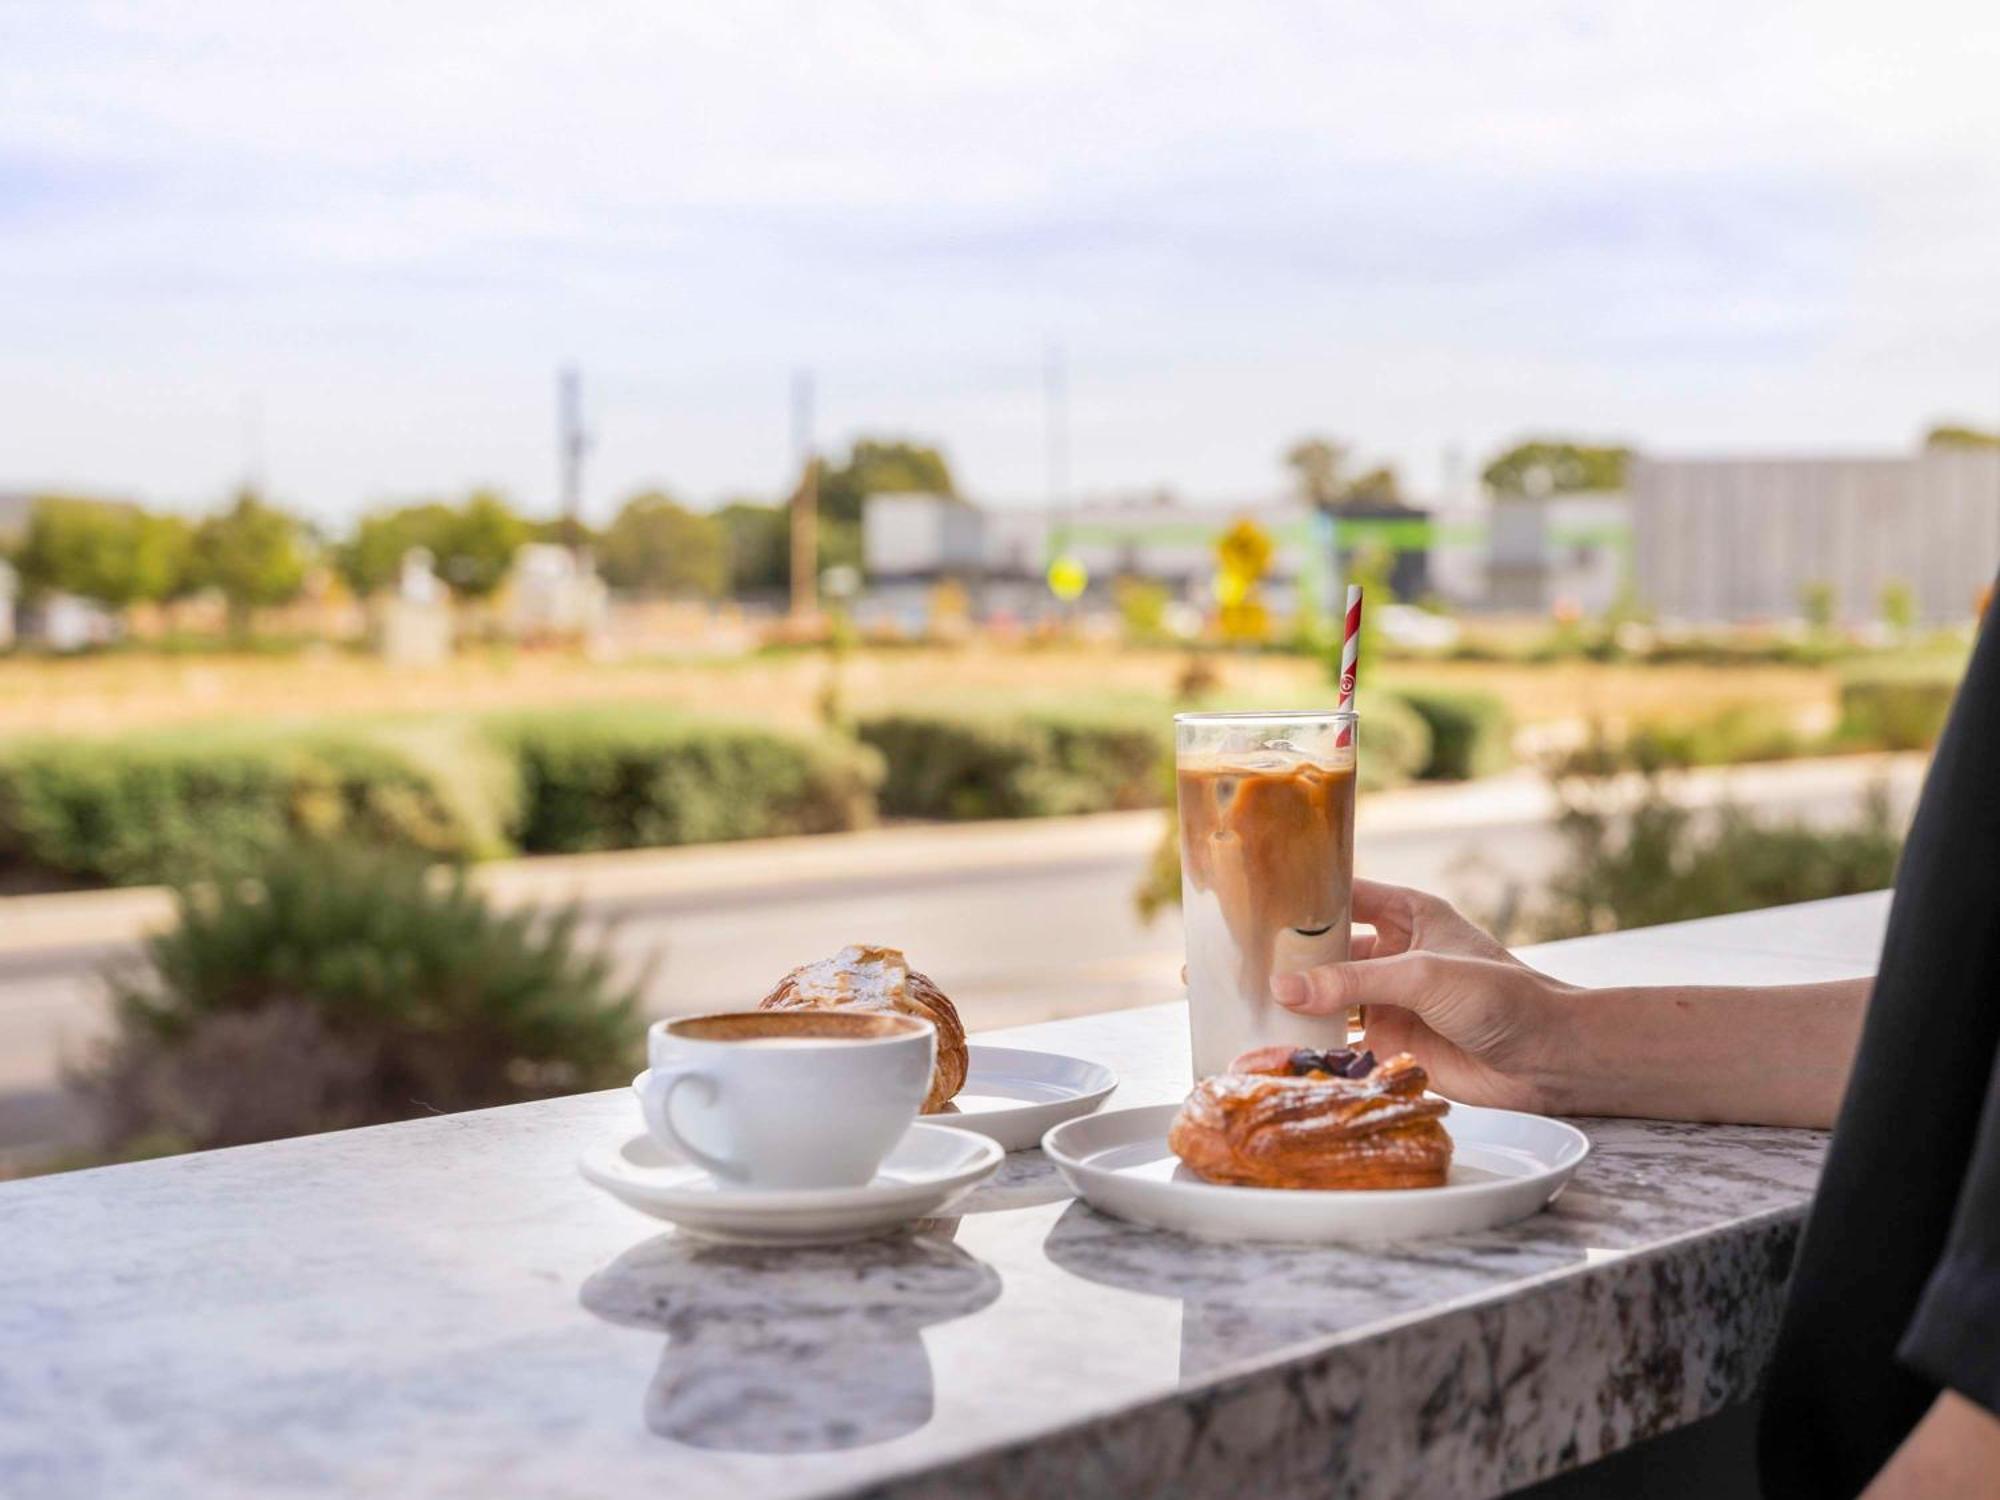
443, 1308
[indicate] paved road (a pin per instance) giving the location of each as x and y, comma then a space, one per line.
1020, 923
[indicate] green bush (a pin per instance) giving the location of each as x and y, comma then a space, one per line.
1395, 743
633, 779
1635, 856
1036, 764
171, 806
1472, 734
1736, 735
1897, 706
328, 987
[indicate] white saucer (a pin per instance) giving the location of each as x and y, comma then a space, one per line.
1014, 1096
1505, 1166
925, 1172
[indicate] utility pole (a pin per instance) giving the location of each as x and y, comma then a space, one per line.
571, 444
805, 501
1055, 424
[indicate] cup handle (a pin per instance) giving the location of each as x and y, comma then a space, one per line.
656, 1099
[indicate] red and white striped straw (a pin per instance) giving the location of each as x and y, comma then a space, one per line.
1350, 651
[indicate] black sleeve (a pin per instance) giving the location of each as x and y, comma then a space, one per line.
1954, 1339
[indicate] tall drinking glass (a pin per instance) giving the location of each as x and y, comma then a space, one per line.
1267, 871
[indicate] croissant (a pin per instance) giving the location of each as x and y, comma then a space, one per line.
1278, 1129
859, 977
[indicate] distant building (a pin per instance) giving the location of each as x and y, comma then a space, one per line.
1001, 555
68, 622
552, 594
1718, 540
1558, 552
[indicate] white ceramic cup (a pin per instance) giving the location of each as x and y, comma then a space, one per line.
786, 1098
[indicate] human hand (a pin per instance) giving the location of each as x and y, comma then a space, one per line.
1406, 919
1485, 1026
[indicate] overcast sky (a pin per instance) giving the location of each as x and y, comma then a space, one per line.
372, 233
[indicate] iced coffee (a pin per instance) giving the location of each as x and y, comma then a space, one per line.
1267, 859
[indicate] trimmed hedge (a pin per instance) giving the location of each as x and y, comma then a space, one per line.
1016, 766
1897, 707
168, 807
189, 804
1472, 734
183, 805
635, 779
1395, 742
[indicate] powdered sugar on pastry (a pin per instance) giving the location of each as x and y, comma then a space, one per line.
857, 976
864, 977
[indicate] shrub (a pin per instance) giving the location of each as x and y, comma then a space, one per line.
1735, 735
1395, 742
631, 779
174, 806
1016, 766
1899, 706
332, 987
1636, 859
1472, 734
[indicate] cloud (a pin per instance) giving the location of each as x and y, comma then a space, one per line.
1415, 224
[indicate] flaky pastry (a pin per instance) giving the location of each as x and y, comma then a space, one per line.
860, 977
1314, 1129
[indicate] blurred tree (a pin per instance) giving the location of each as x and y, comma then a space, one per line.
757, 542
115, 553
564, 531
1950, 435
479, 550
1317, 462
759, 545
472, 546
1554, 467
881, 466
372, 559
1376, 486
839, 543
253, 553
1899, 606
1819, 605
1319, 465
658, 547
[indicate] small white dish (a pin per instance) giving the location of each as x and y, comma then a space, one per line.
924, 1174
1014, 1096
1505, 1166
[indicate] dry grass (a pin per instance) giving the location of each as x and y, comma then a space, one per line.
105, 694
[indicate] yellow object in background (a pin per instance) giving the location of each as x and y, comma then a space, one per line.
1068, 578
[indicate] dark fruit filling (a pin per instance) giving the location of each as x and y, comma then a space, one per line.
1337, 1062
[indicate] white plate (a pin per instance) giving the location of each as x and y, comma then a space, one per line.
1504, 1167
1014, 1096
925, 1172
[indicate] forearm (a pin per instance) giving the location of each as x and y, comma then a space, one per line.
1776, 1055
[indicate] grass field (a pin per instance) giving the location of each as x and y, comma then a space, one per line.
120, 691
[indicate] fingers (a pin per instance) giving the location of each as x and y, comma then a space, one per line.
1375, 898
1361, 945
1407, 980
